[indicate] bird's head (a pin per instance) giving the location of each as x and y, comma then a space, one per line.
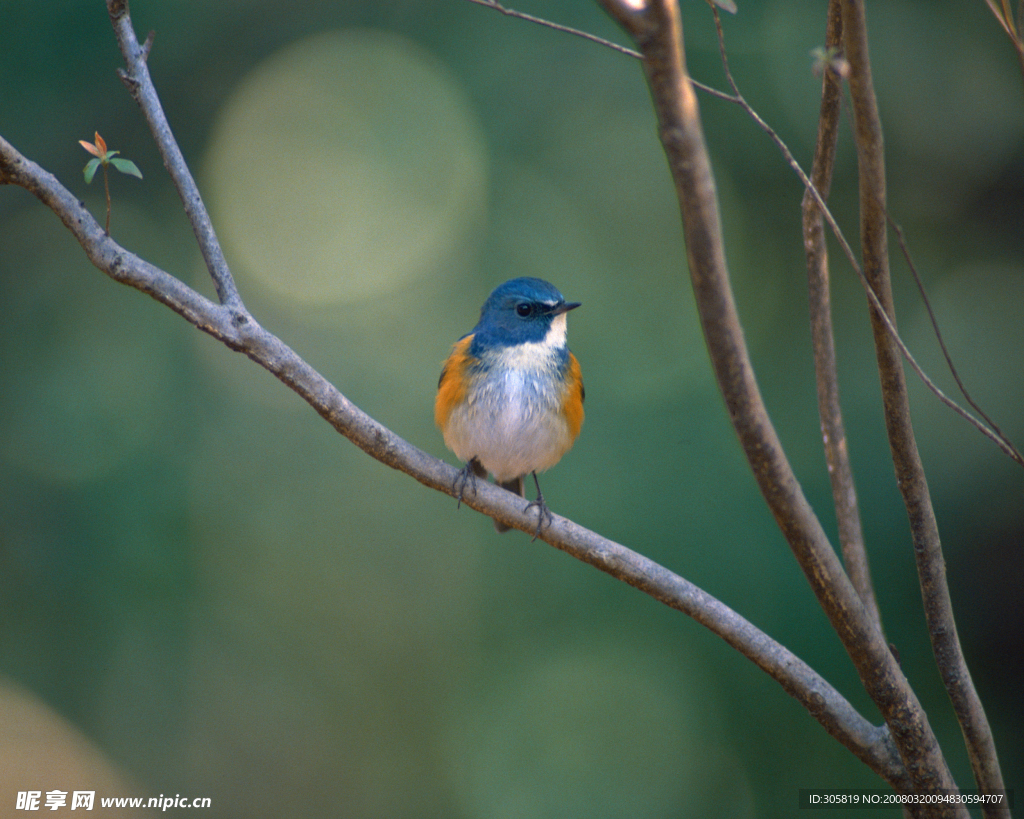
524, 310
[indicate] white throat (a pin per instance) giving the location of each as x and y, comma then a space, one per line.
537, 354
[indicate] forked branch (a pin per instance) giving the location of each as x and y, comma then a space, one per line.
232, 324
837, 456
985, 427
656, 28
910, 476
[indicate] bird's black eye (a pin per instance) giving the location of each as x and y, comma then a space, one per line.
524, 309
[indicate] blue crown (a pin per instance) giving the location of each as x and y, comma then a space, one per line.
519, 311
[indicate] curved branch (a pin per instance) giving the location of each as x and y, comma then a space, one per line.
910, 477
837, 456
236, 328
656, 27
986, 427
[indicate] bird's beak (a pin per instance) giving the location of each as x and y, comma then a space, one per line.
565, 308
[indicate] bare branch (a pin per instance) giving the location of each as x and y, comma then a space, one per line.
657, 31
1004, 16
540, 21
737, 98
942, 342
235, 327
656, 27
910, 475
239, 331
136, 78
740, 100
837, 456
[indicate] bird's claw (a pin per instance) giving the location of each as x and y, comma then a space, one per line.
543, 514
467, 477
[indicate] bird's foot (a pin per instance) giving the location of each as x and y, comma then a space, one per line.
467, 477
543, 513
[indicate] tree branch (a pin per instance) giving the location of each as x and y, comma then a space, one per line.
1005, 18
991, 432
656, 28
837, 456
233, 325
236, 328
1015, 453
540, 21
631, 16
910, 475
138, 82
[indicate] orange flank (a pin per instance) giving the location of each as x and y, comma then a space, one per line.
451, 388
573, 403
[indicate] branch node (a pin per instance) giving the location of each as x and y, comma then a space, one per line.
129, 82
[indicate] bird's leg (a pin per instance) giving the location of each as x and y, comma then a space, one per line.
543, 513
467, 476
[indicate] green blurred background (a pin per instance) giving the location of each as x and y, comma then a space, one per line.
204, 590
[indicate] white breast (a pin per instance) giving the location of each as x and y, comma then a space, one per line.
511, 421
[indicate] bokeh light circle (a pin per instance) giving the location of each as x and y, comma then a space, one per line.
345, 166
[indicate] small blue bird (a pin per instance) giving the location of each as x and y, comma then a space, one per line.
510, 398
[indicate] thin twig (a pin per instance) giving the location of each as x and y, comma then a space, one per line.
911, 480
106, 190
540, 21
837, 456
1005, 18
657, 29
887, 322
139, 83
942, 343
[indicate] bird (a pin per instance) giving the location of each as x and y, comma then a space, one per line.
510, 396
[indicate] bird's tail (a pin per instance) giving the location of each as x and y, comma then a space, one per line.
515, 486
